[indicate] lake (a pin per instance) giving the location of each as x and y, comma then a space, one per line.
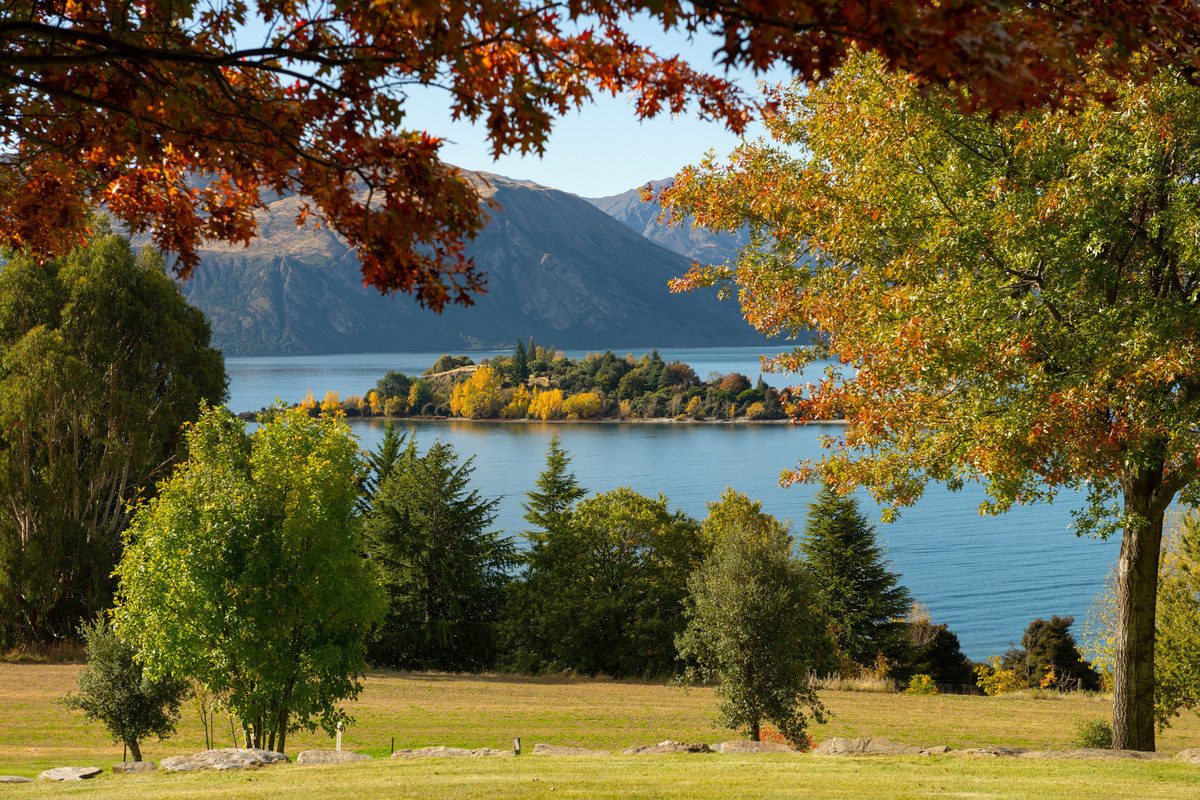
985, 576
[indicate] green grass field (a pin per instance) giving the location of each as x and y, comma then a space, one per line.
421, 710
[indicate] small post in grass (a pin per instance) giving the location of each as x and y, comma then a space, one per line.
339, 736
393, 745
516, 745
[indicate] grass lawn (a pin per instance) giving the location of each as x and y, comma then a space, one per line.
421, 710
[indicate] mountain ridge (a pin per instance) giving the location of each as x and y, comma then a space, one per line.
558, 268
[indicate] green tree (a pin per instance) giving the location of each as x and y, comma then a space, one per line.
1048, 649
380, 463
246, 573
754, 622
444, 569
102, 361
615, 592
531, 625
393, 384
1177, 651
933, 649
115, 690
1014, 298
520, 364
864, 599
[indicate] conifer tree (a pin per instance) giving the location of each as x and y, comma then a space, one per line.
528, 628
557, 490
863, 598
444, 568
520, 364
381, 462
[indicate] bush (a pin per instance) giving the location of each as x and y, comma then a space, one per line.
921, 684
114, 691
1095, 733
994, 679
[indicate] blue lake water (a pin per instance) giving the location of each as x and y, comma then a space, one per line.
985, 576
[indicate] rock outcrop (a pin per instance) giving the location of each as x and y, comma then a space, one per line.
224, 759
330, 757
70, 773
666, 748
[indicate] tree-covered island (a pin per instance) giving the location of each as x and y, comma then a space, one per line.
541, 383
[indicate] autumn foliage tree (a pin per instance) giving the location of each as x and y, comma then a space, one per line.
182, 117
1015, 298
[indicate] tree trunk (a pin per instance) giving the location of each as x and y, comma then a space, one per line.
755, 731
1137, 593
134, 749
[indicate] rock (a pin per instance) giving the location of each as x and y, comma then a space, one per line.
1079, 753
993, 751
866, 746
558, 750
70, 773
936, 750
449, 752
739, 747
330, 757
14, 779
668, 746
1093, 753
1191, 755
222, 759
130, 767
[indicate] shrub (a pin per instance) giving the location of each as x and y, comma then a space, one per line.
756, 411
1095, 733
114, 691
994, 679
921, 684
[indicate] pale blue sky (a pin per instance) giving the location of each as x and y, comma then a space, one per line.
603, 149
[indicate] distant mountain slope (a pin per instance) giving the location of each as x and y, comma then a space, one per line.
693, 243
557, 268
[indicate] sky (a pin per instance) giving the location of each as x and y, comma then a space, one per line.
603, 149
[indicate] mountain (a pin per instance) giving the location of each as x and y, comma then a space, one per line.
696, 244
557, 269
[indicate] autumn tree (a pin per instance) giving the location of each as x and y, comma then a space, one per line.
103, 360
182, 119
246, 573
1014, 299
479, 397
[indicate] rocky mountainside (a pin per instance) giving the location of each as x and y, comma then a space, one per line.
696, 244
558, 269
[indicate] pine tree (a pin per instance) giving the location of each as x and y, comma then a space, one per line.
380, 463
557, 491
520, 364
444, 569
862, 596
529, 628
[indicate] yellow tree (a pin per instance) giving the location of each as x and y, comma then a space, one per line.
546, 404
479, 397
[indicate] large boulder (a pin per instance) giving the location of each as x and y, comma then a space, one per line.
330, 757
559, 750
746, 747
133, 767
224, 758
70, 773
669, 746
449, 752
872, 746
1191, 755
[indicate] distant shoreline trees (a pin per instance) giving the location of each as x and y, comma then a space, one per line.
539, 383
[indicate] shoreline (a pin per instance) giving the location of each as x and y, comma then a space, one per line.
248, 416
